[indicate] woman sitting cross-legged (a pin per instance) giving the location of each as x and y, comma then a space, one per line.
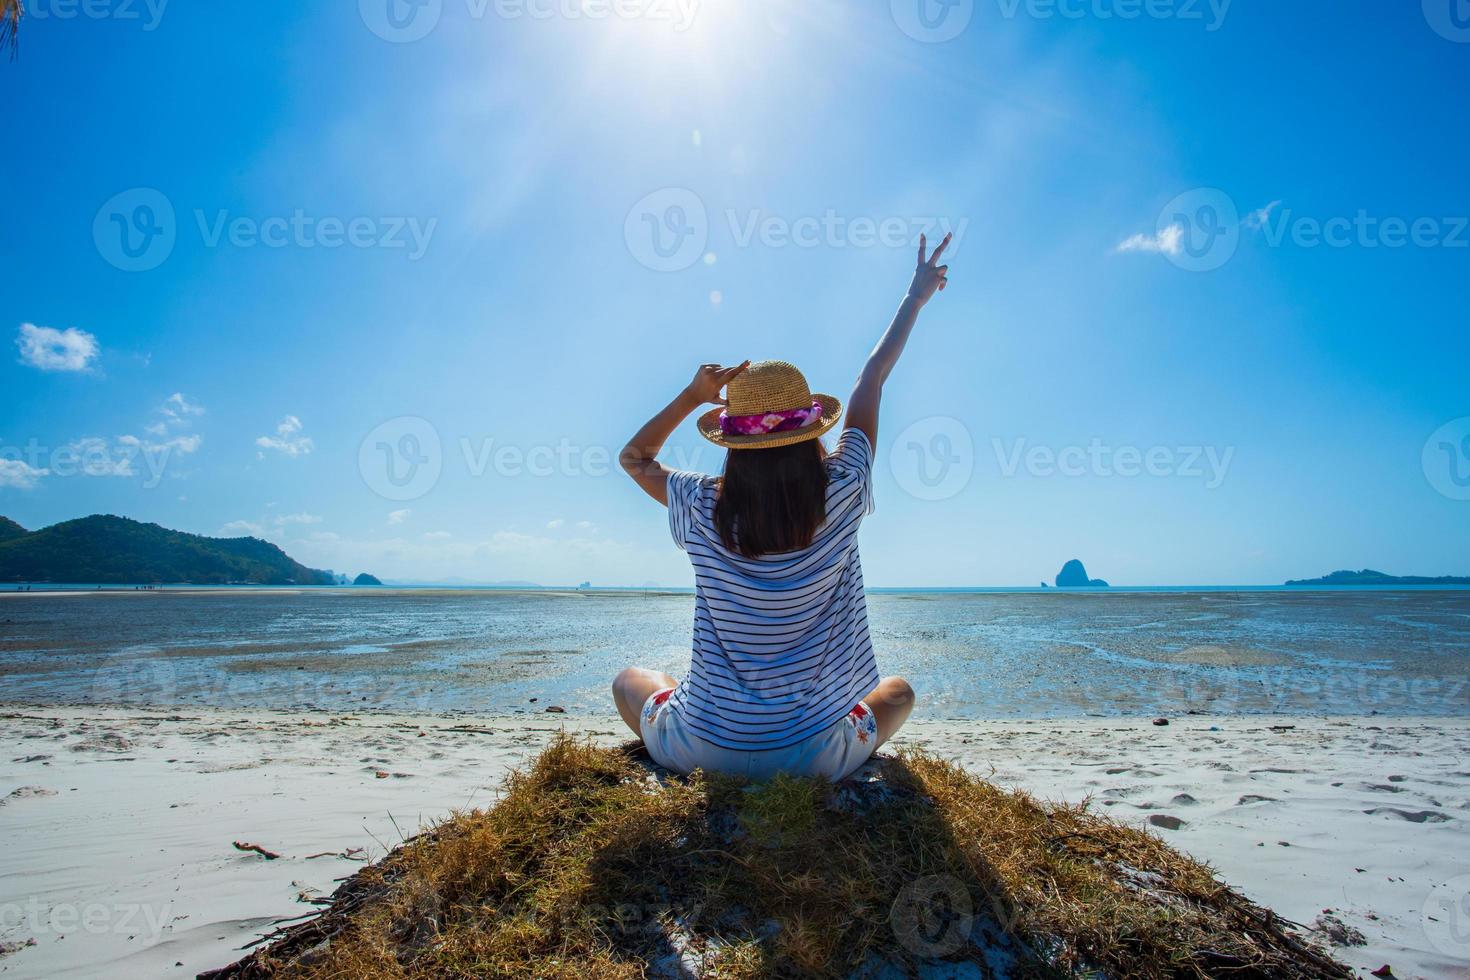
783, 677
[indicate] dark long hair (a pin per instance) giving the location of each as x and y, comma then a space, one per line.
772, 500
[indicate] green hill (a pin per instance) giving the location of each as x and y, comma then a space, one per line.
9, 529
115, 550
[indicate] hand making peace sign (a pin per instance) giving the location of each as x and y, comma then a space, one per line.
929, 277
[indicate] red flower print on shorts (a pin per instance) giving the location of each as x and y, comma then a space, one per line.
864, 725
654, 705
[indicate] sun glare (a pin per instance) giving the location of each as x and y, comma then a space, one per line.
714, 43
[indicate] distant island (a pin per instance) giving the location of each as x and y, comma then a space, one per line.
366, 579
1074, 576
1368, 576
111, 550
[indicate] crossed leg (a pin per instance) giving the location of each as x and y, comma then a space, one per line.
891, 701
632, 687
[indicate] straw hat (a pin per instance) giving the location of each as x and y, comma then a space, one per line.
765, 387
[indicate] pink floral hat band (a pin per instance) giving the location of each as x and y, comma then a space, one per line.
754, 425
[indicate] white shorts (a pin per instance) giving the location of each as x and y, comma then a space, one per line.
833, 753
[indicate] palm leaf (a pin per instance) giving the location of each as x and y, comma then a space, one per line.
11, 12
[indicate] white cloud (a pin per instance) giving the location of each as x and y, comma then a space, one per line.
1169, 241
398, 516
19, 474
123, 456
243, 528
178, 407
183, 445
176, 413
1259, 217
95, 456
50, 349
586, 526
437, 535
275, 527
287, 439
553, 525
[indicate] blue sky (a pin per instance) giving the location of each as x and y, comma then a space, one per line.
1206, 322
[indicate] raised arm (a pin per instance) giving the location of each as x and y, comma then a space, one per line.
639, 455
862, 406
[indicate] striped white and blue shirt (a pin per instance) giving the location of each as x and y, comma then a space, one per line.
781, 647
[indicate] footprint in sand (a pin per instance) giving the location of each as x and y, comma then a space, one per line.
110, 742
1413, 816
26, 793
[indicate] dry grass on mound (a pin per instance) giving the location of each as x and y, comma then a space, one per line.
589, 868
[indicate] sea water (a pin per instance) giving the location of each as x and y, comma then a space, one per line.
989, 654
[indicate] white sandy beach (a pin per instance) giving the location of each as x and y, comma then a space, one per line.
119, 824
